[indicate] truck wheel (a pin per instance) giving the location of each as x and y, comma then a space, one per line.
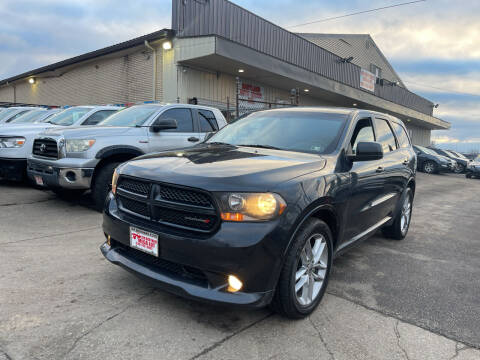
399, 229
429, 167
67, 194
468, 175
305, 273
102, 184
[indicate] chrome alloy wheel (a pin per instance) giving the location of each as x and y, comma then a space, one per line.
311, 269
406, 215
429, 167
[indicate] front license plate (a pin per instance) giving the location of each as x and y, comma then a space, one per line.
39, 180
144, 241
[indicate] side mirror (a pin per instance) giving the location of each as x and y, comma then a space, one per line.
367, 151
163, 124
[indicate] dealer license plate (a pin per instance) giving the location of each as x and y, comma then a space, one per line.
144, 241
39, 180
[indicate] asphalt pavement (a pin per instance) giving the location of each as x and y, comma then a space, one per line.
414, 299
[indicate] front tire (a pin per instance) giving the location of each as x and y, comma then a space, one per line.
304, 277
399, 229
429, 167
459, 169
102, 185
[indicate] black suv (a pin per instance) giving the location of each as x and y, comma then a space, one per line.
462, 163
256, 214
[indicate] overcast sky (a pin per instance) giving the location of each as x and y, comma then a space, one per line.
434, 45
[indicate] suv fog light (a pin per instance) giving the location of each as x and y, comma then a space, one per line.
71, 176
234, 284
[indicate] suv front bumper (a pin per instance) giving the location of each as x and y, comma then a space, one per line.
251, 251
64, 177
12, 169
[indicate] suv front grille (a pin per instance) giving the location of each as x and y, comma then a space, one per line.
165, 266
45, 148
168, 204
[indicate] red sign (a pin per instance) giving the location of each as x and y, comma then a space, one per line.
251, 92
367, 80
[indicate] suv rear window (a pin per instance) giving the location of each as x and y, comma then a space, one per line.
402, 136
385, 135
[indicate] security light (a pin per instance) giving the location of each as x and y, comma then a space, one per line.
167, 45
346, 59
241, 70
31, 80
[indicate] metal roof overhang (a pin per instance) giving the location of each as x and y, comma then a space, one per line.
217, 54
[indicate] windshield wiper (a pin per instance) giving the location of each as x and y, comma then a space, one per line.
261, 146
218, 143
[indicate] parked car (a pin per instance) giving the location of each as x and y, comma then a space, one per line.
33, 117
16, 142
461, 163
428, 161
473, 169
84, 158
11, 113
257, 213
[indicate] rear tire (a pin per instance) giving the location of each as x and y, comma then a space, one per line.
102, 185
468, 175
429, 167
304, 276
399, 228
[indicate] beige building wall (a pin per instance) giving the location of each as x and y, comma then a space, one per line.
107, 80
420, 136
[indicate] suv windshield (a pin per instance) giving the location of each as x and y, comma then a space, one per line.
133, 116
29, 117
6, 113
302, 131
69, 117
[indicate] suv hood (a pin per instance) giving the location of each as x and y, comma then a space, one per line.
25, 128
92, 131
224, 167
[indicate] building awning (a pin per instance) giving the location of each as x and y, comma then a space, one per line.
217, 54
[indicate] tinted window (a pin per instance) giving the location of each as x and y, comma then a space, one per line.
385, 135
303, 131
98, 116
402, 136
363, 133
183, 117
207, 120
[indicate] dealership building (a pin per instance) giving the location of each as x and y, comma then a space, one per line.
220, 54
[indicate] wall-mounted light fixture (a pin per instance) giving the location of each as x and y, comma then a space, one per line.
31, 80
306, 90
346, 59
436, 106
355, 104
167, 45
241, 70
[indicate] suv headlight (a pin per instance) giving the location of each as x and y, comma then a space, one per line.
76, 145
12, 142
115, 177
251, 206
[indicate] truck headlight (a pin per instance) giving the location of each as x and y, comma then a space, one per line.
12, 142
77, 145
251, 206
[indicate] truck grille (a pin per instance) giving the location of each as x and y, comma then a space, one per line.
45, 148
167, 204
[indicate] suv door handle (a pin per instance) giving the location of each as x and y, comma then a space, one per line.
380, 169
193, 139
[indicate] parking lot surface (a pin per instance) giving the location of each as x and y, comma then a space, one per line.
414, 299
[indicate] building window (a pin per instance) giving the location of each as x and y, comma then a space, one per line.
376, 70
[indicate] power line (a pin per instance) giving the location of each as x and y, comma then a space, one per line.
357, 13
439, 88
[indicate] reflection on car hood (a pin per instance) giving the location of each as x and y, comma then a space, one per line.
84, 132
224, 168
19, 129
